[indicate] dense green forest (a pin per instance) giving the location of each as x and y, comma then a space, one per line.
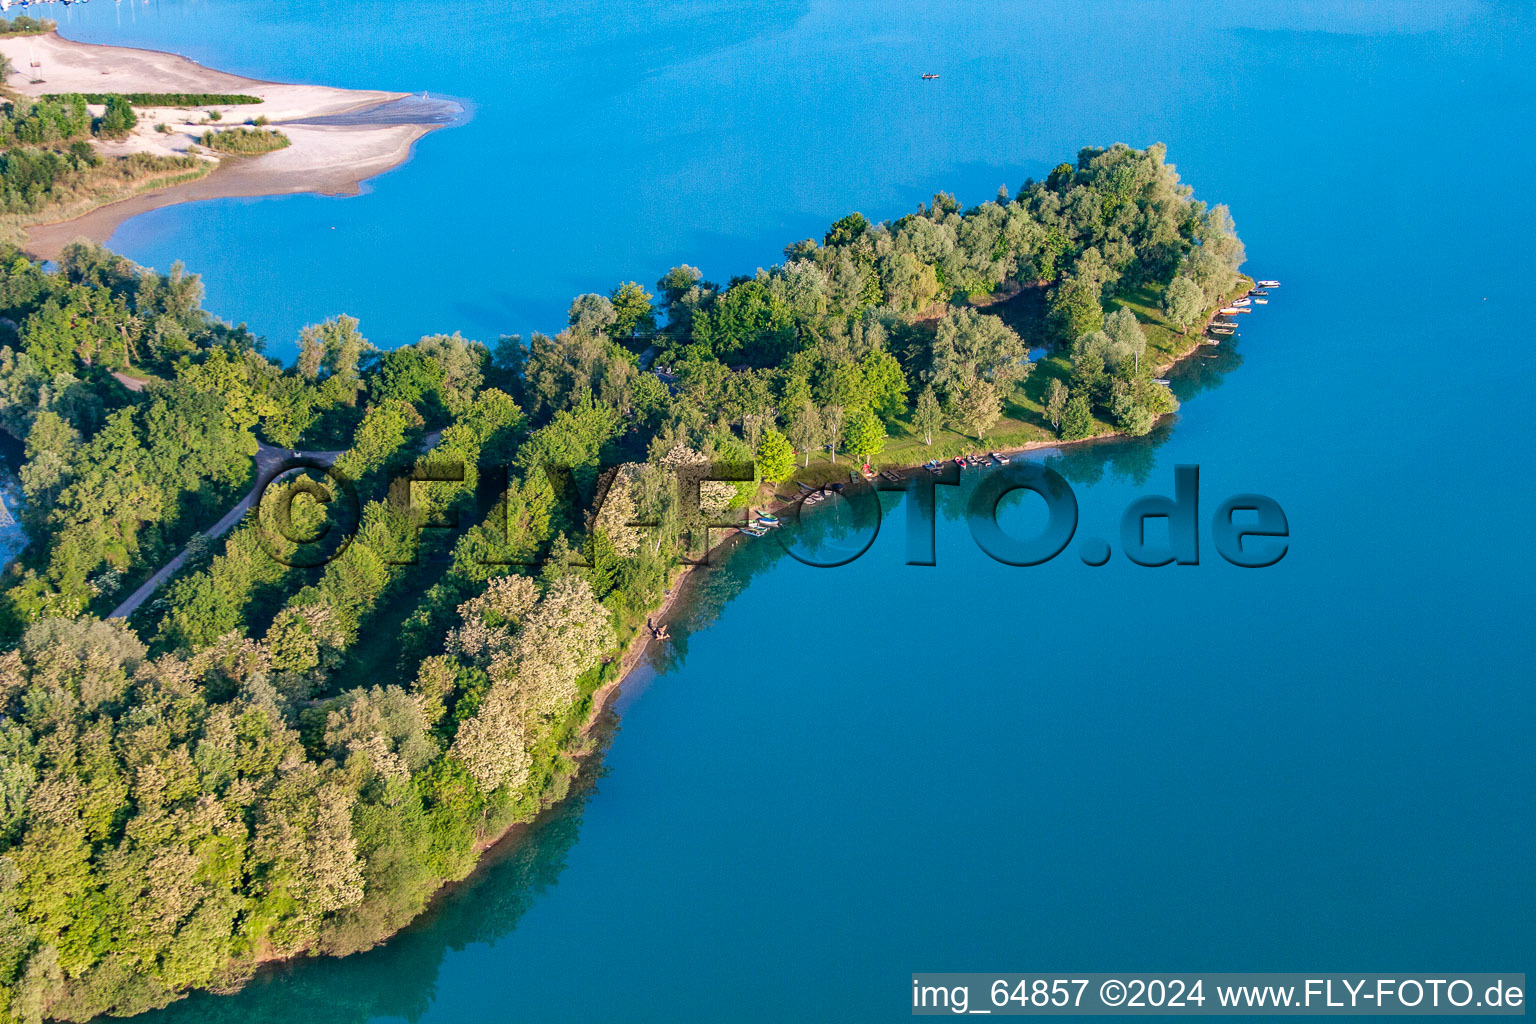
268, 760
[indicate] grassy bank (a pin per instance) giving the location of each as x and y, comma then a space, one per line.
1023, 424
111, 182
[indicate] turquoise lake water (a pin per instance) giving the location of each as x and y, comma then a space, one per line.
842, 776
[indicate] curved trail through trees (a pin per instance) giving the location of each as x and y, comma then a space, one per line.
269, 461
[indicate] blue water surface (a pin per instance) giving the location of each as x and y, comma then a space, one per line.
839, 777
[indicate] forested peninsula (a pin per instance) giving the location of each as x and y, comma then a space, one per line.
265, 761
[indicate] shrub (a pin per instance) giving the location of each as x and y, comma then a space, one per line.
118, 121
172, 99
245, 141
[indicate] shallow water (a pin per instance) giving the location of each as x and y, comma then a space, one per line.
421, 109
840, 776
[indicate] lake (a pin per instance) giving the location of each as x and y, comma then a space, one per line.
841, 776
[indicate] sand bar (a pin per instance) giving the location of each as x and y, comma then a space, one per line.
332, 156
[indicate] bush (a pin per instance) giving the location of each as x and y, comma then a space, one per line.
25, 26
245, 141
172, 99
45, 122
118, 121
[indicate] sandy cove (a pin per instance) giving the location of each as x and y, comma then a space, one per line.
331, 159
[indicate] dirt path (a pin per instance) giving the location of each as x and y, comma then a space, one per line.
269, 461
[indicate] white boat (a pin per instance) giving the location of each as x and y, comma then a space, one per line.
1241, 302
1160, 380
1268, 284
1229, 310
1261, 302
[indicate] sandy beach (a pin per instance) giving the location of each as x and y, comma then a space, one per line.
328, 158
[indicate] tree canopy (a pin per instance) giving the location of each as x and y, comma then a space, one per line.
233, 774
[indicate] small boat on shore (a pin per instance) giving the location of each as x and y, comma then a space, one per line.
1267, 284
1258, 291
768, 520
1002, 460
960, 461
1161, 380
1261, 302
1241, 302
754, 531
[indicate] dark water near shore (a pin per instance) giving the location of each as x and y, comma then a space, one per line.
421, 109
840, 776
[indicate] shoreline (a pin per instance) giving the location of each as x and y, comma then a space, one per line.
326, 157
634, 651
587, 744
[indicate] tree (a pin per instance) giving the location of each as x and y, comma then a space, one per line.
1126, 336
806, 430
1183, 303
866, 434
927, 417
632, 311
968, 345
1055, 403
833, 417
885, 386
846, 230
1074, 310
119, 118
775, 456
592, 314
1078, 422
979, 407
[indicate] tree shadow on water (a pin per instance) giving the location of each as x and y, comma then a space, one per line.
398, 980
